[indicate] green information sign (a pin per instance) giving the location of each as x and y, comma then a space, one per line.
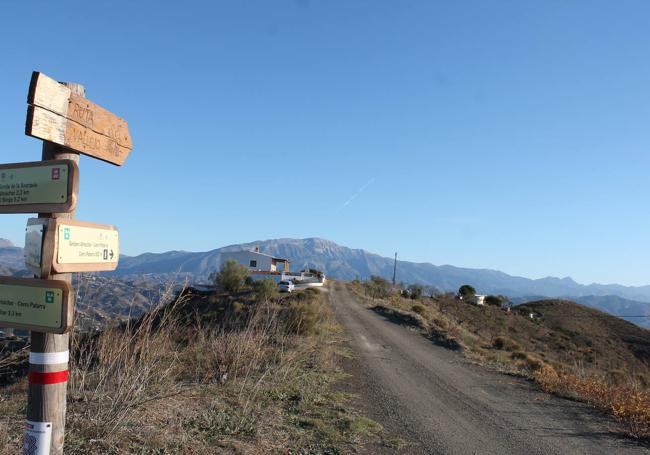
33, 187
40, 305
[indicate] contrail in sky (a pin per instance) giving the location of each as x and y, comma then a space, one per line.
359, 191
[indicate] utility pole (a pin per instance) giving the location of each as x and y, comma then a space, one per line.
48, 358
395, 269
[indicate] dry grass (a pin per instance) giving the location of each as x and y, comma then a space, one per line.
630, 404
206, 375
122, 369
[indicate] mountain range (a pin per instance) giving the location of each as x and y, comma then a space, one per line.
345, 263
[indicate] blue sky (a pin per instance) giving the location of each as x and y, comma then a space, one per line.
511, 135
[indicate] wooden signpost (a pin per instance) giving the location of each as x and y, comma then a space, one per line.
55, 244
40, 186
58, 115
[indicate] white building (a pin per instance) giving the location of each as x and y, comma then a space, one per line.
261, 266
476, 299
255, 261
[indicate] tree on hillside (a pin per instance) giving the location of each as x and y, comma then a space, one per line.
466, 290
231, 277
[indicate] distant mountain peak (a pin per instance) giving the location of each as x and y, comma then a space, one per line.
4, 243
338, 261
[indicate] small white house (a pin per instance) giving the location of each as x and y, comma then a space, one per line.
264, 266
476, 299
256, 261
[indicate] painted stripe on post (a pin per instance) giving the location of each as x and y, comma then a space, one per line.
49, 358
48, 378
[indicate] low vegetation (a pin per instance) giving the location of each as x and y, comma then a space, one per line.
246, 371
568, 349
232, 277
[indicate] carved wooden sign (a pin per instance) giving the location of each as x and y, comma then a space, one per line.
39, 187
32, 304
55, 114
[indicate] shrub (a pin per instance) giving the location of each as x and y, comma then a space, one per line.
265, 289
301, 318
528, 361
419, 309
311, 291
493, 300
305, 295
377, 287
231, 277
466, 291
415, 291
518, 355
628, 404
441, 323
505, 344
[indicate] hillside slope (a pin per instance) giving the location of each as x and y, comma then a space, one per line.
561, 333
11, 256
576, 333
633, 311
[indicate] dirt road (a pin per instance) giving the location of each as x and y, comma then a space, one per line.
431, 397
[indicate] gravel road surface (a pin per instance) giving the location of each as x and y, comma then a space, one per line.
441, 404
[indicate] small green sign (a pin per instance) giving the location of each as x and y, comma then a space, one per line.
45, 184
31, 305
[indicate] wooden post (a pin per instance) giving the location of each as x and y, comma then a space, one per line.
48, 359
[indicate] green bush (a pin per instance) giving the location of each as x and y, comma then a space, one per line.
495, 300
265, 289
231, 277
415, 291
466, 291
301, 318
